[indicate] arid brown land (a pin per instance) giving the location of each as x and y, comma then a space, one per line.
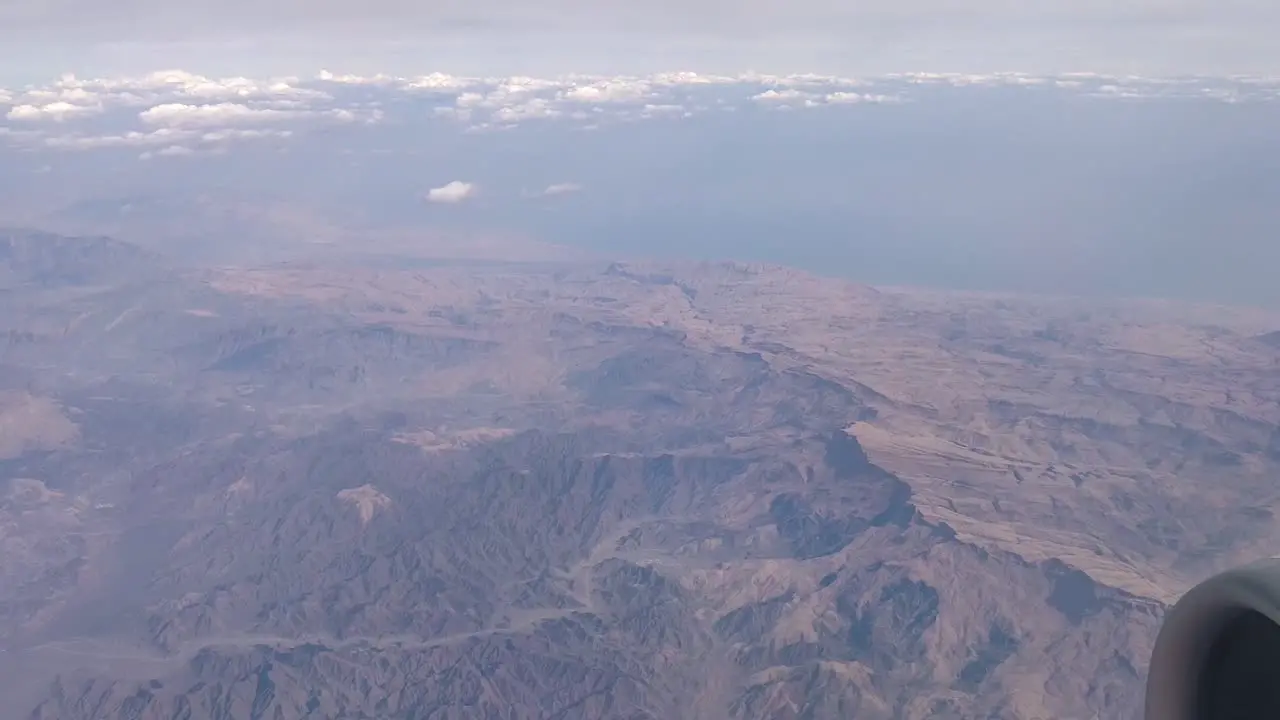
572, 490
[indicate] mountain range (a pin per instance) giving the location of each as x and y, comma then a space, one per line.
425, 489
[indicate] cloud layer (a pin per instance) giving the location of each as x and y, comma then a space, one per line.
185, 113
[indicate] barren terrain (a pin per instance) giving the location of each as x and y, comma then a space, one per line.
568, 490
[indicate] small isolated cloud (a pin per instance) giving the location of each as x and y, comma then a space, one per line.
173, 151
454, 192
561, 189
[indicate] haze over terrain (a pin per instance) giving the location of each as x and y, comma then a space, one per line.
1068, 184
508, 370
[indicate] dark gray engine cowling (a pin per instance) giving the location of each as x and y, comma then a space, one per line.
1218, 654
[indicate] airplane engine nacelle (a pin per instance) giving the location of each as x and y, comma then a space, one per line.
1217, 657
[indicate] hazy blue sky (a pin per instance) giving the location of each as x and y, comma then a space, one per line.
39, 37
1084, 186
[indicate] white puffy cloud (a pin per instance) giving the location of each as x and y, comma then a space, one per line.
73, 95
220, 114
561, 188
853, 98
663, 110
534, 108
231, 114
161, 136
243, 134
350, 79
439, 82
164, 136
57, 111
782, 96
469, 100
180, 84
343, 115
201, 109
168, 151
451, 193
691, 78
624, 90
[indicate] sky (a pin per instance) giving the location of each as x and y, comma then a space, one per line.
40, 38
1043, 179
1065, 184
